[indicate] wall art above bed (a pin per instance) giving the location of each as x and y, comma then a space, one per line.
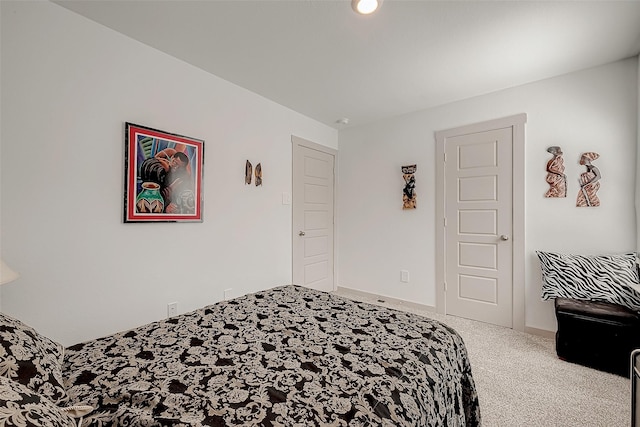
163, 176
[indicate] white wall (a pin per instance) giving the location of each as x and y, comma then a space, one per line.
638, 168
68, 86
591, 110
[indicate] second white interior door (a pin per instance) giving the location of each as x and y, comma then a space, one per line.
313, 215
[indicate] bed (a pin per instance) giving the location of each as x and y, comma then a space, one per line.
287, 356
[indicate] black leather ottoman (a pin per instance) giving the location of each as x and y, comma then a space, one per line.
596, 334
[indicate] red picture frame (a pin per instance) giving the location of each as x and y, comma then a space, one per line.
163, 176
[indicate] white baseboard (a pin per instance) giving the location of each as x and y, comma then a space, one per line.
540, 332
382, 298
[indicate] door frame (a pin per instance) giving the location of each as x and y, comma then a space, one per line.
296, 143
517, 124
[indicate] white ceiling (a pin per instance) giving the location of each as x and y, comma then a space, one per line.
319, 58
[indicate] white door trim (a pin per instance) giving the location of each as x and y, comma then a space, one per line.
517, 123
296, 143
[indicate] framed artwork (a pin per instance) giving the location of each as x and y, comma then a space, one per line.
163, 176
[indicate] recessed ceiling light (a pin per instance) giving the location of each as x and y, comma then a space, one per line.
365, 7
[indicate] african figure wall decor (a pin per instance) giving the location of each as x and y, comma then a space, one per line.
409, 191
258, 174
556, 178
589, 182
248, 172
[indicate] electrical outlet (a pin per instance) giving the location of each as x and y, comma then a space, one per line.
227, 293
172, 309
404, 276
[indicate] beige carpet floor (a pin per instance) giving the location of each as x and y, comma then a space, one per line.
521, 382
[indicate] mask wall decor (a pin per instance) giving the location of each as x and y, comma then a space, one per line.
258, 174
249, 171
409, 191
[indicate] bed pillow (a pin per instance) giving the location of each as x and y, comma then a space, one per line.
608, 278
31, 359
21, 406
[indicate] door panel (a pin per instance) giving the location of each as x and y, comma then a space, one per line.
477, 188
477, 222
480, 289
315, 246
313, 215
477, 255
314, 220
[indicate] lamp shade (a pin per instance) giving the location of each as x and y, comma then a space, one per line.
6, 273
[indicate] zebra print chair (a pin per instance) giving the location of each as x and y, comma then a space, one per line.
597, 306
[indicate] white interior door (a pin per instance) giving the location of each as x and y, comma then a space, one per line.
313, 215
478, 228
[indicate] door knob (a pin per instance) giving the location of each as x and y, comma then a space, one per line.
504, 237
302, 233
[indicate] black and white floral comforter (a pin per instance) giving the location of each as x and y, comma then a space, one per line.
289, 356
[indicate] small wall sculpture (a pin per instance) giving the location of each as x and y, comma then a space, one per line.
589, 182
556, 178
258, 174
409, 192
248, 172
